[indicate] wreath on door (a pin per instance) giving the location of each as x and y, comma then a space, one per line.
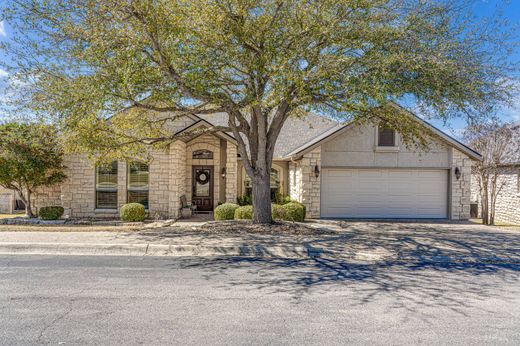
202, 178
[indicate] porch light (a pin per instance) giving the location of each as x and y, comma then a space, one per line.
457, 173
223, 172
316, 171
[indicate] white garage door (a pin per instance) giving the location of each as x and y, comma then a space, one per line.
384, 193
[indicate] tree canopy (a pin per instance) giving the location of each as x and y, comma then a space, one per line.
258, 61
30, 158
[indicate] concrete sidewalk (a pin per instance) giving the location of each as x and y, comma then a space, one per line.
360, 241
148, 243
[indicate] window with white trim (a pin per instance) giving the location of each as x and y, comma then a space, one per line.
138, 183
385, 136
106, 186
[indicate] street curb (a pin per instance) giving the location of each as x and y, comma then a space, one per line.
157, 250
253, 251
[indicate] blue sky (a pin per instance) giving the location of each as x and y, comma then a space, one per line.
511, 11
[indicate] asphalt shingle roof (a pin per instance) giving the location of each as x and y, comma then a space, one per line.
295, 131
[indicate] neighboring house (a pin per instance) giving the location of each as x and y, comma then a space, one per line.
507, 207
336, 170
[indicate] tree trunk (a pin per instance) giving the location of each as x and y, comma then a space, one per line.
262, 198
27, 202
484, 200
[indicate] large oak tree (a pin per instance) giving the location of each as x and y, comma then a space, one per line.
258, 61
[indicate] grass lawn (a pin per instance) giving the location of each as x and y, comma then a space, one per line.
9, 216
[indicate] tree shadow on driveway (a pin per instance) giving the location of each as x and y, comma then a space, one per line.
421, 267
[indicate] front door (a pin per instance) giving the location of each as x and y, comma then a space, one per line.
202, 183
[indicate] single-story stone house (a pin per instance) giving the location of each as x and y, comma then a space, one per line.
507, 209
336, 170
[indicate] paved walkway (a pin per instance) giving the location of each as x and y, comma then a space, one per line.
361, 241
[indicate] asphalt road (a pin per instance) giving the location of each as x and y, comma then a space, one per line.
67, 300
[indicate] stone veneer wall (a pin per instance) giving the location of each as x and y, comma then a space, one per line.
6, 201
177, 178
507, 207
170, 178
231, 172
304, 186
460, 189
78, 195
159, 183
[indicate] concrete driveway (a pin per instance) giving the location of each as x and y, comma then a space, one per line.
421, 242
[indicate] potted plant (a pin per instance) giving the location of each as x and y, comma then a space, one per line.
186, 212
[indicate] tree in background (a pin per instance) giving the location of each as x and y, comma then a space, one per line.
30, 158
258, 61
494, 141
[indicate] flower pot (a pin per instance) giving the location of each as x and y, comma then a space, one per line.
185, 213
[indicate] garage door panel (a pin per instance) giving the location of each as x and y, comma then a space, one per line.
392, 193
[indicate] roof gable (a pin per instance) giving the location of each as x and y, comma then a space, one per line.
339, 129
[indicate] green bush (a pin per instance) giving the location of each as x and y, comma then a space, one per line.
245, 200
132, 212
51, 213
277, 211
225, 211
286, 199
293, 211
244, 213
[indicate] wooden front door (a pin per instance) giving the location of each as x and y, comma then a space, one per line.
202, 187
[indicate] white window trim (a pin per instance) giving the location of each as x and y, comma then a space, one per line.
385, 149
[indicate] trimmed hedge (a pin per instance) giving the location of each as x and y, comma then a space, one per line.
293, 211
277, 211
225, 211
244, 213
51, 213
132, 212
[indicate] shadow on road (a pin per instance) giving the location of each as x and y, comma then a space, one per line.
411, 285
430, 266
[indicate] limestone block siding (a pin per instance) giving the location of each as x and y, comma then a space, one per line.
177, 178
507, 209
6, 201
460, 191
305, 187
78, 191
231, 179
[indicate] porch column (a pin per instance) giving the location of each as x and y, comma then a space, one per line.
177, 180
231, 173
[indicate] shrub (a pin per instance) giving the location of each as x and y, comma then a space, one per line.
132, 212
244, 213
277, 211
225, 211
286, 199
51, 213
293, 211
245, 200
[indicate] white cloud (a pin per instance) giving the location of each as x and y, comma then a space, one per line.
3, 73
2, 29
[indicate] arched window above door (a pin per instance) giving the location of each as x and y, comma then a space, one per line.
202, 154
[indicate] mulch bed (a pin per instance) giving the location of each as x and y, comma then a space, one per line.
277, 227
